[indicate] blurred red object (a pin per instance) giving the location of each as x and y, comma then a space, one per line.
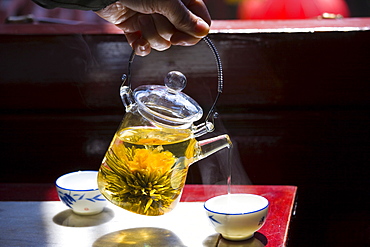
291, 9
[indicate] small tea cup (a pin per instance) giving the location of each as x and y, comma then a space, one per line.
237, 216
79, 191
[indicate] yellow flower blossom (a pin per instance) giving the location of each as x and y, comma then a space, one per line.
150, 160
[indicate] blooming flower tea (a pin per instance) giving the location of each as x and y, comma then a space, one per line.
144, 169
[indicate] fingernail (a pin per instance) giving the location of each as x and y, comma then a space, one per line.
202, 22
202, 27
143, 50
144, 47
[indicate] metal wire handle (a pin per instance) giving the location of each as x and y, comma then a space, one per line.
212, 113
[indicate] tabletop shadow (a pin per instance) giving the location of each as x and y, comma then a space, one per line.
69, 218
216, 240
143, 236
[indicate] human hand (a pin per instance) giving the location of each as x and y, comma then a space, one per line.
158, 24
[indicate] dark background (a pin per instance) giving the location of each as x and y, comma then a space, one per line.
227, 9
219, 10
296, 105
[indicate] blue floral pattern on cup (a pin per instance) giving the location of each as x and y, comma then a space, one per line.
213, 220
69, 199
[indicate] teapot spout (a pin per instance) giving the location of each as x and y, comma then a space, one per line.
212, 145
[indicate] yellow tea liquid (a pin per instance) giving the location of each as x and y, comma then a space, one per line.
144, 169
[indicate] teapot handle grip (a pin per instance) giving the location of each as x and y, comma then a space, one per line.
220, 80
211, 113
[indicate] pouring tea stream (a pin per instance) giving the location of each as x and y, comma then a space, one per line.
145, 167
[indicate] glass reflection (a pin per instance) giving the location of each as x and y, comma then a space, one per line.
145, 236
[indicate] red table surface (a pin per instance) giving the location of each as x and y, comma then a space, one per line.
274, 233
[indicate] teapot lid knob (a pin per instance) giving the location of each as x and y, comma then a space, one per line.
166, 105
175, 81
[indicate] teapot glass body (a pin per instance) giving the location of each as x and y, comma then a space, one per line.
145, 167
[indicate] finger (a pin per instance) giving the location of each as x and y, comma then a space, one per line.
132, 37
183, 39
130, 25
199, 8
164, 28
149, 32
115, 13
141, 47
138, 44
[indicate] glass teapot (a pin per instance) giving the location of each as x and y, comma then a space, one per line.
145, 167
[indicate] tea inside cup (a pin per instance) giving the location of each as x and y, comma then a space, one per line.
237, 216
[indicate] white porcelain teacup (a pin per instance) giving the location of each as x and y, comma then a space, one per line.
237, 216
79, 191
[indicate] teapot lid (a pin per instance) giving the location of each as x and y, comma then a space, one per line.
167, 105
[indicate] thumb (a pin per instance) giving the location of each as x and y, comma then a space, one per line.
190, 16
